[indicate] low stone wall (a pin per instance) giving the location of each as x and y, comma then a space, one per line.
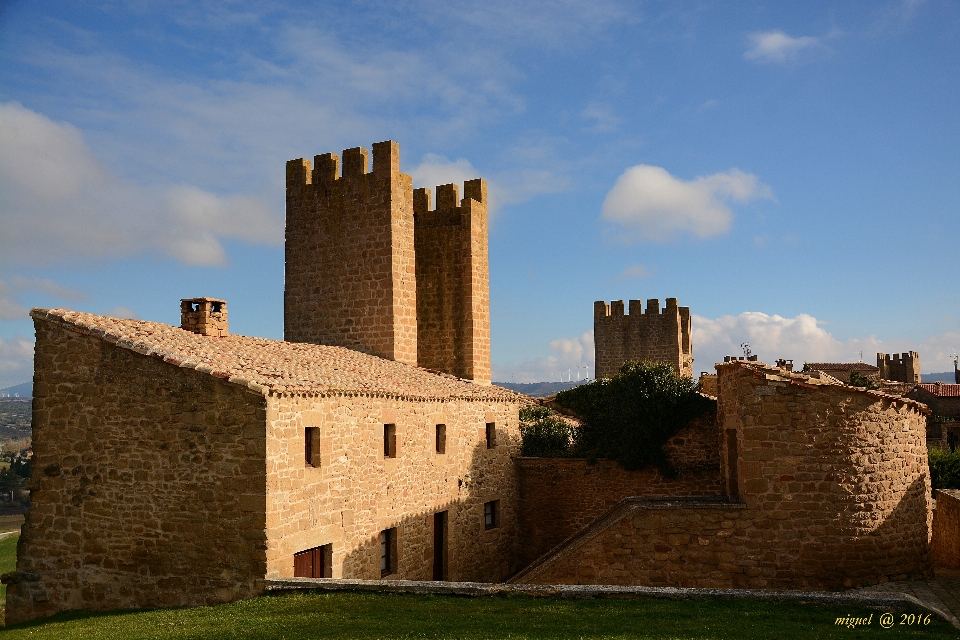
946, 529
561, 496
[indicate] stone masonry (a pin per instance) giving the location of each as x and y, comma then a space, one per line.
637, 335
172, 467
827, 486
369, 266
453, 292
899, 367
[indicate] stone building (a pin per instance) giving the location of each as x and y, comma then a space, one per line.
176, 469
641, 335
180, 466
821, 485
372, 267
899, 367
843, 370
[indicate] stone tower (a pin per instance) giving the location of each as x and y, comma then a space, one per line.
654, 335
453, 292
370, 269
899, 367
349, 254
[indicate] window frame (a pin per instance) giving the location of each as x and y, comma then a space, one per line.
311, 455
388, 552
441, 439
389, 440
490, 429
491, 515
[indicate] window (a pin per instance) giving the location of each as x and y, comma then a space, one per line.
389, 441
311, 453
441, 438
314, 563
388, 552
733, 485
440, 545
491, 435
491, 514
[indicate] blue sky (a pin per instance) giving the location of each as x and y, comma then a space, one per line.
789, 171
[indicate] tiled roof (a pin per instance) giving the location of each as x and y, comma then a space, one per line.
941, 390
840, 366
275, 366
815, 379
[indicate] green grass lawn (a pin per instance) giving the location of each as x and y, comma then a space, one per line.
8, 561
366, 615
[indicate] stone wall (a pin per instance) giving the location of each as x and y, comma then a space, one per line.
899, 367
349, 278
356, 492
147, 486
946, 529
560, 496
453, 292
639, 335
828, 488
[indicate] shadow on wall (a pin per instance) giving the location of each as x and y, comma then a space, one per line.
473, 538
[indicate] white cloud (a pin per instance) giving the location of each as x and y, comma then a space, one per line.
61, 203
10, 309
803, 339
777, 47
649, 203
16, 361
121, 312
601, 116
570, 356
47, 286
502, 188
634, 271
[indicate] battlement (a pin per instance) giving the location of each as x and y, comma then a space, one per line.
899, 367
371, 267
356, 163
641, 334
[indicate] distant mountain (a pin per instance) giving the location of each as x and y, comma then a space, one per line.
539, 389
24, 390
946, 376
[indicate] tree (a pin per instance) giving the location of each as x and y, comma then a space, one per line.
630, 417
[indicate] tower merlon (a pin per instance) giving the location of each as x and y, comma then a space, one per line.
386, 157
356, 161
298, 173
326, 167
600, 310
616, 307
475, 190
448, 197
421, 200
653, 306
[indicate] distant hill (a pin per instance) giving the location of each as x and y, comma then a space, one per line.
24, 390
946, 376
539, 389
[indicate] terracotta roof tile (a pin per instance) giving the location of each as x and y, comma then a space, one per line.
841, 366
275, 366
814, 379
941, 390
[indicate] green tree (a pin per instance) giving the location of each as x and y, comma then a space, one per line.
630, 417
857, 379
543, 433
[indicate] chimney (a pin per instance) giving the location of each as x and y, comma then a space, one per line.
206, 316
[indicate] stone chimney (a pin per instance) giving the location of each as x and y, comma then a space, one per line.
206, 316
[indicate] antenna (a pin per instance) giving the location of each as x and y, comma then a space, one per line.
746, 349
861, 355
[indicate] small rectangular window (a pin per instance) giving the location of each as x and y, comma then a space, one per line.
441, 438
314, 563
491, 514
311, 453
388, 552
491, 435
389, 441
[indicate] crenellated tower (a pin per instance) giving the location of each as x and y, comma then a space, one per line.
371, 267
453, 291
899, 367
637, 335
349, 253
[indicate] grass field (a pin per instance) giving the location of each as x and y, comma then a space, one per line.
366, 615
8, 561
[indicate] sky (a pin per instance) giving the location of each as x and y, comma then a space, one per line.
789, 171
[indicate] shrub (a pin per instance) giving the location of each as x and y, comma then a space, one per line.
944, 468
631, 416
543, 434
857, 379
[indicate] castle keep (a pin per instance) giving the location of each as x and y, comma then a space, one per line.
899, 368
641, 335
371, 267
184, 466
